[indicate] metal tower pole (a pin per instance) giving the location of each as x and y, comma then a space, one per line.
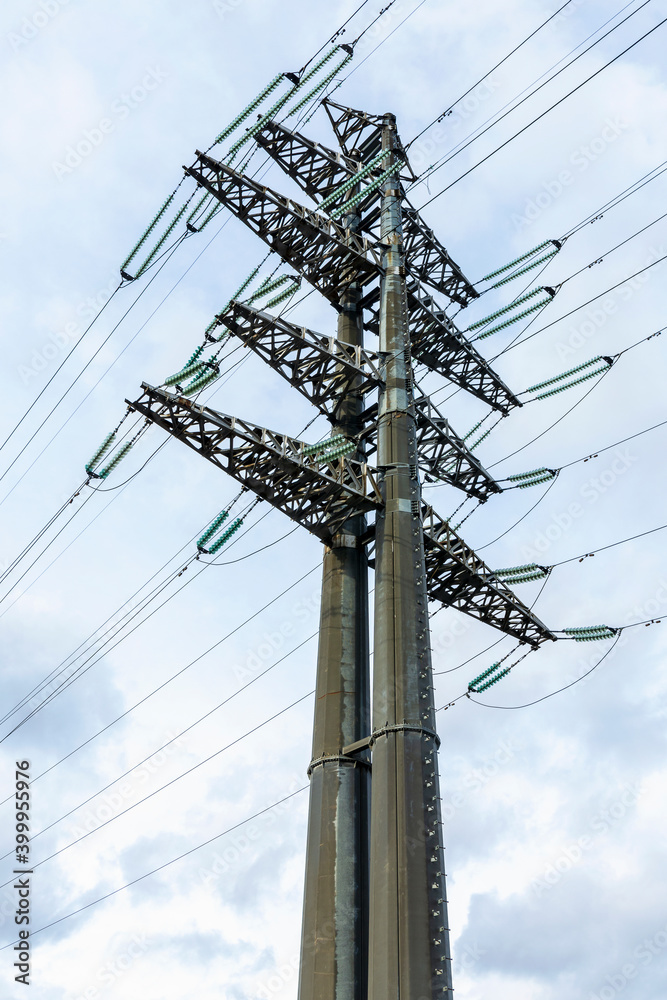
409, 954
334, 948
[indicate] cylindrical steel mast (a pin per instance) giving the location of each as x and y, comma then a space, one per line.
409, 953
334, 946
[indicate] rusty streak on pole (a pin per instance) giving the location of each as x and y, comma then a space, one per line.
409, 954
334, 945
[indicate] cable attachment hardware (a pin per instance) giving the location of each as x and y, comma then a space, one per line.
591, 633
533, 478
522, 574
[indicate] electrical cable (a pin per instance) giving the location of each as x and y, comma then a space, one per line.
458, 100
187, 666
478, 548
385, 39
554, 424
599, 260
17, 559
48, 545
546, 112
167, 784
333, 38
618, 199
510, 106
130, 615
118, 625
612, 545
63, 362
166, 254
76, 379
164, 746
568, 465
185, 854
551, 695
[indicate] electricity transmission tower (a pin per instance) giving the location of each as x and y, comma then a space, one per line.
375, 913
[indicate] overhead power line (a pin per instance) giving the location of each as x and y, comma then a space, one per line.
458, 100
539, 117
160, 868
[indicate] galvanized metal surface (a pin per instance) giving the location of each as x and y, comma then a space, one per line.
334, 949
409, 955
316, 492
319, 171
387, 911
317, 247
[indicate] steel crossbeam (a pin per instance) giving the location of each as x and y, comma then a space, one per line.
319, 171
444, 455
355, 130
317, 493
323, 369
317, 247
460, 579
436, 342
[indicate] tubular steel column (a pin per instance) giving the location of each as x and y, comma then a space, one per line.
334, 947
409, 952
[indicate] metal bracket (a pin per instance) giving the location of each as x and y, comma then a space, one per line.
405, 727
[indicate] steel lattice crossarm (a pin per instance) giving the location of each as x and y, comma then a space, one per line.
317, 247
318, 493
355, 130
323, 369
444, 455
436, 342
318, 171
460, 579
435, 339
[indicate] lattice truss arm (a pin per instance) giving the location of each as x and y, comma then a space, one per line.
317, 247
355, 130
319, 171
444, 455
437, 343
322, 494
460, 579
317, 493
324, 370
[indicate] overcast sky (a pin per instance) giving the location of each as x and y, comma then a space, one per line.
554, 814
